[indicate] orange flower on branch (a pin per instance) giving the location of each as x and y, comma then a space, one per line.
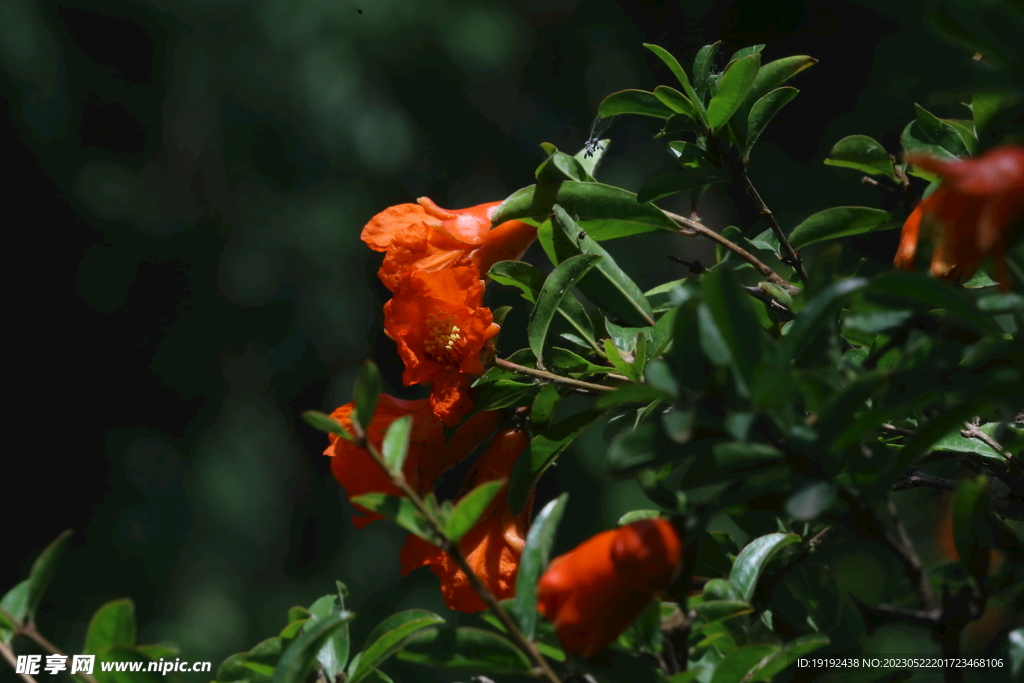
977, 213
428, 455
428, 238
441, 328
494, 544
594, 591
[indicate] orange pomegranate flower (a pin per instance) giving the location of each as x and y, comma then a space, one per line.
428, 454
441, 328
426, 237
594, 591
977, 213
493, 546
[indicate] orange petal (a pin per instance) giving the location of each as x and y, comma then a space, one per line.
382, 228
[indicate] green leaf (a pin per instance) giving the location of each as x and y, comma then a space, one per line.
773, 74
573, 363
840, 221
667, 184
746, 51
986, 105
300, 657
399, 510
675, 100
396, 443
719, 610
556, 287
811, 500
387, 638
940, 132
333, 655
702, 67
863, 154
954, 441
591, 159
768, 667
915, 141
815, 313
752, 560
544, 404
366, 392
561, 166
607, 286
736, 327
465, 649
763, 111
741, 661
113, 626
732, 89
530, 280
544, 449
637, 515
326, 423
605, 212
634, 102
677, 71
968, 513
470, 507
534, 560
902, 287
22, 601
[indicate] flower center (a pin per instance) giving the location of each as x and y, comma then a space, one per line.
443, 340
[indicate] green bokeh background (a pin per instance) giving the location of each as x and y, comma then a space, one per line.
188, 180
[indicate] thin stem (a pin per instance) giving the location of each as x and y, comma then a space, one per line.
552, 377
8, 654
776, 228
29, 631
690, 226
542, 669
972, 431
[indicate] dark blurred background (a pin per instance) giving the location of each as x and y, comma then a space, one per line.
188, 180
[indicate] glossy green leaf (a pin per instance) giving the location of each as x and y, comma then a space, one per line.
366, 392
573, 363
465, 649
702, 67
560, 166
23, 600
590, 159
675, 100
732, 89
470, 507
954, 441
387, 638
556, 287
333, 654
719, 610
530, 281
534, 561
326, 423
673, 64
637, 515
400, 510
396, 443
840, 221
768, 667
544, 449
752, 560
773, 74
763, 111
300, 657
940, 132
607, 285
634, 102
863, 154
112, 626
915, 141
736, 327
605, 212
736, 665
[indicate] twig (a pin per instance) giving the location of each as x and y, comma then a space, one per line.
29, 631
907, 546
897, 430
8, 654
915, 478
542, 669
690, 226
972, 431
552, 377
791, 254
